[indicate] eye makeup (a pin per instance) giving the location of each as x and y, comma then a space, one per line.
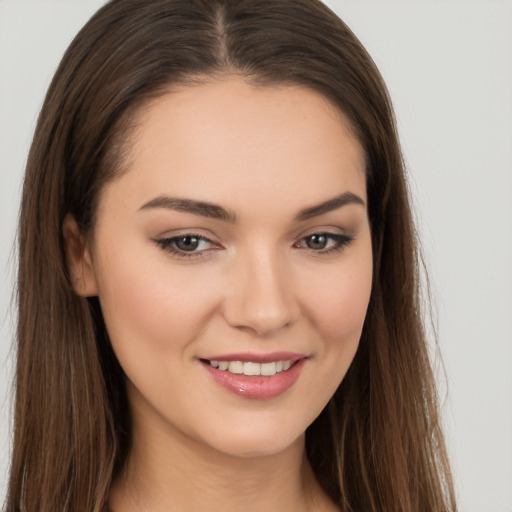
187, 245
194, 246
324, 242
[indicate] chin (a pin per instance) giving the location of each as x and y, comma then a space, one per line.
256, 440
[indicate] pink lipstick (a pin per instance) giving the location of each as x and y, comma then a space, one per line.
256, 376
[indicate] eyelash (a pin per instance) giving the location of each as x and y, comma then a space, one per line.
168, 244
340, 242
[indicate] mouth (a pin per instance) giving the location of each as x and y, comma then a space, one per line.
256, 376
251, 368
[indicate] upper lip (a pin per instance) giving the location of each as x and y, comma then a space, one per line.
255, 357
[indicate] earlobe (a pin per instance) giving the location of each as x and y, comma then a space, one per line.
79, 260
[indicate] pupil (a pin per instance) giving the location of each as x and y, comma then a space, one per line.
317, 241
187, 243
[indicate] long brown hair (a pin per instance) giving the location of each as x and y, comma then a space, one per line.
377, 446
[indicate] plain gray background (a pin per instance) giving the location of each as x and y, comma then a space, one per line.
448, 65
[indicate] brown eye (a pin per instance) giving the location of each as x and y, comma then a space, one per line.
317, 242
187, 243
324, 243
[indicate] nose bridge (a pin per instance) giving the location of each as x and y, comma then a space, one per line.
261, 297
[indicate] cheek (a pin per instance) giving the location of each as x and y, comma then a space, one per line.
336, 308
340, 301
346, 307
151, 305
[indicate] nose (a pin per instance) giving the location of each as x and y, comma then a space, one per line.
260, 298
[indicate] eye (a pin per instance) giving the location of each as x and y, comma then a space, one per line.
317, 242
324, 242
187, 245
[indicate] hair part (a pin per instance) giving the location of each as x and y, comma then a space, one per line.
378, 444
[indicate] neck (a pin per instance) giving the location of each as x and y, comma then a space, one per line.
176, 471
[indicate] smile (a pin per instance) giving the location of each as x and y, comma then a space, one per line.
252, 368
255, 376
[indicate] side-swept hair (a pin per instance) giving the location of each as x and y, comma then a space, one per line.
377, 446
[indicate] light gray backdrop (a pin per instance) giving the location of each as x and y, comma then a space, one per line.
448, 66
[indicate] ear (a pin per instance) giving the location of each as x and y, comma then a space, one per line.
79, 260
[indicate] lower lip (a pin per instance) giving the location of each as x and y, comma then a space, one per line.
256, 386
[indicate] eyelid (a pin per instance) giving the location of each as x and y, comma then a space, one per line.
167, 244
342, 240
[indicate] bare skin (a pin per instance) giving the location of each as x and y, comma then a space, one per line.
221, 484
279, 261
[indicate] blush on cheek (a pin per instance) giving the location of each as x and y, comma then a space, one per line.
344, 307
157, 306
131, 305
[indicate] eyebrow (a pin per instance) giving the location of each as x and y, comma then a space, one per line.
329, 206
215, 211
202, 208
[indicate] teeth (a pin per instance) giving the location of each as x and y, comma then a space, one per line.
268, 369
250, 368
236, 367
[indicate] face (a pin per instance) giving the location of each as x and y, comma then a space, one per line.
233, 263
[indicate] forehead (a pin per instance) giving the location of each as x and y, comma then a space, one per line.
228, 141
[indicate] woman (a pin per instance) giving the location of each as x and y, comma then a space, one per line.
218, 289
